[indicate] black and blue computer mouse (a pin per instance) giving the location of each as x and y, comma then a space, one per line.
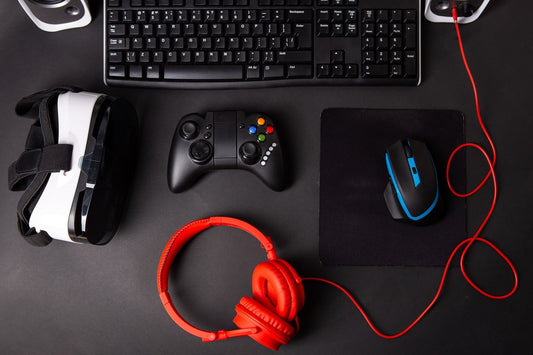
412, 194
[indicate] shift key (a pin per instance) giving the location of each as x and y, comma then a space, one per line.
287, 57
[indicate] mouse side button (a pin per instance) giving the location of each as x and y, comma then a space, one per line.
392, 202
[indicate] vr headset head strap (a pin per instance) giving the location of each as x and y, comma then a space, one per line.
41, 157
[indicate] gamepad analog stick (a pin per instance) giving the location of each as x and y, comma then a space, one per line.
189, 130
250, 153
200, 151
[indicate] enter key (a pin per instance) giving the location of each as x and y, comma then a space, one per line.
304, 34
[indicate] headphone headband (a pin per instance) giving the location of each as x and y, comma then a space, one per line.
174, 245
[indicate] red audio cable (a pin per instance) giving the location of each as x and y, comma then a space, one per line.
468, 241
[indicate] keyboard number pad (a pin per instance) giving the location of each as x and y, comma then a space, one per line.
389, 43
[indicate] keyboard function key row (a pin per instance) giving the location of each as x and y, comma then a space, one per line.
173, 3
209, 16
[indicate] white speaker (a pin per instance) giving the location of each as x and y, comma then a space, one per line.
441, 10
57, 15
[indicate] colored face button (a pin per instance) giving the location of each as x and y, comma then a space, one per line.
261, 137
252, 129
270, 129
261, 121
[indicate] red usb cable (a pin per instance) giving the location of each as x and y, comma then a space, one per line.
468, 241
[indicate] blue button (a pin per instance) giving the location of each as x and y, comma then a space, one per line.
252, 129
414, 171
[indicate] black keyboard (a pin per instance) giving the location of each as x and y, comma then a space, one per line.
261, 43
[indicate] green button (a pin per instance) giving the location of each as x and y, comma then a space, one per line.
261, 137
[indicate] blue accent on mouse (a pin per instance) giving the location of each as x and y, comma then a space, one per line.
412, 194
401, 200
414, 171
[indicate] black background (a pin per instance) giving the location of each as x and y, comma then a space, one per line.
68, 298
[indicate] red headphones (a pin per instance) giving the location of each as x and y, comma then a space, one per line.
278, 293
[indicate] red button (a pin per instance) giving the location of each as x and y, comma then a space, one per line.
270, 129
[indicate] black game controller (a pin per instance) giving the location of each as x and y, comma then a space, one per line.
225, 140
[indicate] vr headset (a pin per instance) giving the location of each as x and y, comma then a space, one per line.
76, 168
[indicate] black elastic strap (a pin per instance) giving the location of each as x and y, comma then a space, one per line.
43, 156
30, 235
49, 159
27, 106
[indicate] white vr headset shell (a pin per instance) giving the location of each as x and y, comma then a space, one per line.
84, 202
52, 211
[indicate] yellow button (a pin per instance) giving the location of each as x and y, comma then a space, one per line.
261, 121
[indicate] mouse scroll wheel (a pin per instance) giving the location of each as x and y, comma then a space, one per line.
408, 151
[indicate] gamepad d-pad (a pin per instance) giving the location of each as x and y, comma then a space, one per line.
225, 140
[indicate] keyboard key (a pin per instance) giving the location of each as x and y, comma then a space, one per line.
119, 43
116, 29
396, 71
185, 57
383, 57
410, 37
351, 71
375, 71
322, 71
337, 29
113, 16
299, 71
117, 71
273, 71
410, 64
253, 72
115, 57
382, 15
409, 16
368, 43
350, 29
294, 57
323, 16
152, 72
136, 71
304, 34
396, 15
369, 57
337, 70
203, 72
369, 16
336, 57
300, 15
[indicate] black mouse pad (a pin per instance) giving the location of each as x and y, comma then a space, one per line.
355, 225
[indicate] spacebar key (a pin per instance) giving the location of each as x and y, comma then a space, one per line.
203, 72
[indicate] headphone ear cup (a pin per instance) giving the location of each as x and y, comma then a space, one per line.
274, 331
299, 294
276, 285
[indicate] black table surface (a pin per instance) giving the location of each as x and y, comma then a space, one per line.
70, 299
